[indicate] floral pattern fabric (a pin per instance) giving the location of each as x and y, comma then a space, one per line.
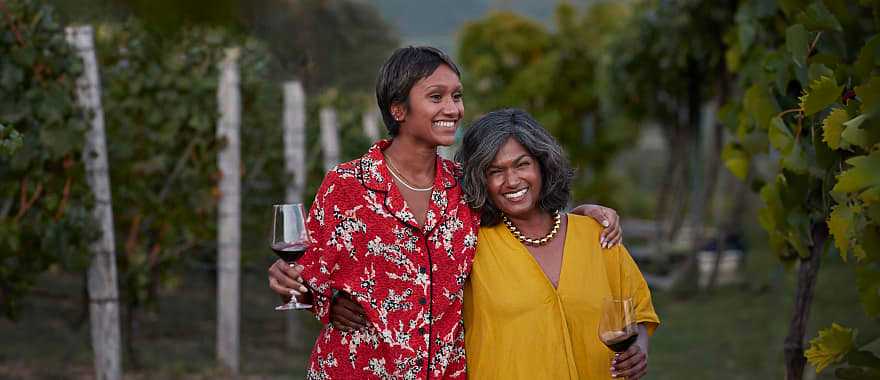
408, 278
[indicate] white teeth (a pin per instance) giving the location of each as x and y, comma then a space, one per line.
516, 194
444, 124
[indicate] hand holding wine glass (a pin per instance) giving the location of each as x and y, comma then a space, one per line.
618, 330
290, 238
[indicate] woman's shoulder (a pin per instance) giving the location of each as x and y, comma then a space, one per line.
343, 172
583, 223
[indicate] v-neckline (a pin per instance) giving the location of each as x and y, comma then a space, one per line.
537, 266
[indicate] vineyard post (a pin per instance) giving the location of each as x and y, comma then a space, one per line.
371, 124
329, 137
103, 293
229, 212
294, 174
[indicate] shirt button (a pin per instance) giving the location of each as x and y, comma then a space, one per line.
422, 330
419, 362
423, 301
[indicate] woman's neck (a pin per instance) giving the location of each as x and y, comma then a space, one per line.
416, 161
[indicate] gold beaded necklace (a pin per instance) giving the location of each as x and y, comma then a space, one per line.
535, 242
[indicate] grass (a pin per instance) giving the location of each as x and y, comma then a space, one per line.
738, 332
734, 333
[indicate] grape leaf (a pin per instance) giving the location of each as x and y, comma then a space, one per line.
872, 195
736, 161
832, 128
818, 70
790, 6
864, 173
818, 18
760, 105
840, 226
780, 137
797, 43
869, 93
853, 134
822, 93
865, 62
830, 346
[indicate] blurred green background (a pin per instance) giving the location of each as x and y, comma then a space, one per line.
668, 110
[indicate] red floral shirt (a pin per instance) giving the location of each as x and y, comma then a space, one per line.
408, 278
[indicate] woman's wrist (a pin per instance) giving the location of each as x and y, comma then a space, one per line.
643, 340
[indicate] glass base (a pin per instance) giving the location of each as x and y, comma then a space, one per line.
293, 305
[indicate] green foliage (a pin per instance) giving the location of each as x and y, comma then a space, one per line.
161, 110
832, 129
797, 43
830, 346
512, 61
44, 200
817, 62
10, 141
159, 87
822, 93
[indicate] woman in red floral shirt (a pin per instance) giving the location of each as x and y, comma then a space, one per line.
391, 230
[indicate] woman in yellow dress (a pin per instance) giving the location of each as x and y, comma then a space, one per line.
532, 305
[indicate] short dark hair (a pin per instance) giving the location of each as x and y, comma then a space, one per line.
400, 72
483, 140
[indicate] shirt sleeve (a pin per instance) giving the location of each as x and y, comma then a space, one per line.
633, 283
321, 259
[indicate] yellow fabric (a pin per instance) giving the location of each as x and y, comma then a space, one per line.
517, 326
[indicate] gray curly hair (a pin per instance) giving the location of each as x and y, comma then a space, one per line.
483, 140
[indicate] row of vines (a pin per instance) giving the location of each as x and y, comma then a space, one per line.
159, 97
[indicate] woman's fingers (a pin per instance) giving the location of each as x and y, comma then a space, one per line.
353, 308
348, 312
356, 319
288, 276
343, 323
631, 363
611, 235
275, 281
637, 371
281, 290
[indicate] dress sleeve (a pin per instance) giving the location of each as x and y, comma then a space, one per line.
632, 282
320, 261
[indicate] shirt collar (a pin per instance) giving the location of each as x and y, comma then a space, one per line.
375, 174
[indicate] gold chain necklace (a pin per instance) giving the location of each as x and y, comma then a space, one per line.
398, 177
535, 242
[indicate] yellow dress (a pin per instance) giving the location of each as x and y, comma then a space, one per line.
518, 326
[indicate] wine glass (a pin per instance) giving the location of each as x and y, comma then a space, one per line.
290, 238
617, 326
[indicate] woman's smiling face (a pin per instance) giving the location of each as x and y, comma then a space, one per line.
514, 180
435, 108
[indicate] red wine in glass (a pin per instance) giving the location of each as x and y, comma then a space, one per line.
290, 239
619, 341
617, 326
289, 252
